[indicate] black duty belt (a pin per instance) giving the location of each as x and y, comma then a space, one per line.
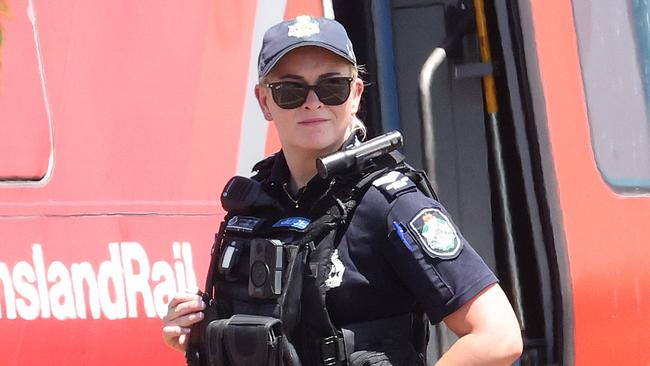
365, 335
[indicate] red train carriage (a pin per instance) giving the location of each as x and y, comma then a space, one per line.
121, 121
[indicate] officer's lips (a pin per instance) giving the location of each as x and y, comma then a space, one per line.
312, 121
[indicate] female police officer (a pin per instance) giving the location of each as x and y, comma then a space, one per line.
398, 253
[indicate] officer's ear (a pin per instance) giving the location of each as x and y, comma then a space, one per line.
357, 90
262, 96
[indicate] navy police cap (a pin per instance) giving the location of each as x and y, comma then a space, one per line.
303, 31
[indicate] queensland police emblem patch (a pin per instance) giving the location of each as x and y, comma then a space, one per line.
304, 26
435, 234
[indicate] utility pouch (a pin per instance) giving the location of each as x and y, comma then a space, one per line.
245, 340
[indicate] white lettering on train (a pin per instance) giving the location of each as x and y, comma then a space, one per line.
117, 289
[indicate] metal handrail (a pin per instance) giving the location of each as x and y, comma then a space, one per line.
427, 73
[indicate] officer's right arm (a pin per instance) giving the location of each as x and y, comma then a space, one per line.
184, 309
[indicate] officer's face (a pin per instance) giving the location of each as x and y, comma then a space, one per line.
313, 128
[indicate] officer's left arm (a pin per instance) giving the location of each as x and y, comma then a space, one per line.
488, 330
450, 281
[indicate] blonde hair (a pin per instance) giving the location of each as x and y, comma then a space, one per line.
359, 127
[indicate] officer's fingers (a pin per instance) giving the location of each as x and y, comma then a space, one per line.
183, 340
182, 296
176, 337
171, 332
184, 308
190, 306
186, 320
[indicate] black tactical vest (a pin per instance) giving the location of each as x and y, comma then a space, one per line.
265, 289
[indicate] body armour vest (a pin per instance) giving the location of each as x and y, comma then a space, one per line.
265, 289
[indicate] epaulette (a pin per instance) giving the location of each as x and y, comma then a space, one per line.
393, 184
262, 169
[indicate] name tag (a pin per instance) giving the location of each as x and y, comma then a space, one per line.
298, 223
246, 224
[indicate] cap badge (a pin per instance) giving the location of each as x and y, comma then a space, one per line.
304, 26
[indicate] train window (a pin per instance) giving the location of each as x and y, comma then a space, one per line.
26, 150
614, 46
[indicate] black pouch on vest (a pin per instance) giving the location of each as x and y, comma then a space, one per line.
245, 340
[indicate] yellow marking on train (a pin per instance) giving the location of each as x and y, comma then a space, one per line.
484, 46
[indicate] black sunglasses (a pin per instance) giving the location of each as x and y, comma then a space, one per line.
292, 94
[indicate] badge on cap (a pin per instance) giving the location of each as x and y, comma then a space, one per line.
304, 26
435, 234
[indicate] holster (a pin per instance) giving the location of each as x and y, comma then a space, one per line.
244, 340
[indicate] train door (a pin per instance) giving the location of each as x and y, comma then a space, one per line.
484, 166
589, 86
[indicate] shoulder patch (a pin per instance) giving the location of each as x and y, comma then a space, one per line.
393, 183
436, 234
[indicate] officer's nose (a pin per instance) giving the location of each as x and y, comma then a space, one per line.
312, 101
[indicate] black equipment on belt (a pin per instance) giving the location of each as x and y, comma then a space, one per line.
244, 340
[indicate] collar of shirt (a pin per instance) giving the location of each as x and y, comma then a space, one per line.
307, 195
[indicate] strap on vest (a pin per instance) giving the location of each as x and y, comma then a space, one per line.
334, 346
290, 299
332, 351
421, 180
214, 259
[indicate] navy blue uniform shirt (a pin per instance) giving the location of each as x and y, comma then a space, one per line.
401, 253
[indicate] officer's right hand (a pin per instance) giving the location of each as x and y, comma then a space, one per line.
183, 310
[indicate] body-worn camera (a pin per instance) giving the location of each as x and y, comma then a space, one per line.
265, 270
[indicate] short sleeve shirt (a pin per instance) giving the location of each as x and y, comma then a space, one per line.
389, 261
389, 270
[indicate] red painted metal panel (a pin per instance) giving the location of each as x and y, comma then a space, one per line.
131, 263
146, 100
606, 233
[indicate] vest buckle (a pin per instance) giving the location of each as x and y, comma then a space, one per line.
332, 351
